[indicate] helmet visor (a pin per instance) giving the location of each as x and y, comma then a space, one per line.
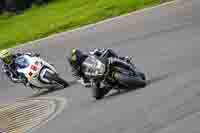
21, 62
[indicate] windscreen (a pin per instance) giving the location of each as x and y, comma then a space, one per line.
21, 62
93, 67
89, 65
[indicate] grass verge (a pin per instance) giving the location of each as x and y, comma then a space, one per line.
61, 15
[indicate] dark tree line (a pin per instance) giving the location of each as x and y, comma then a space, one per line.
18, 5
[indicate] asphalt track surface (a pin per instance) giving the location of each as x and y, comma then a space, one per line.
164, 42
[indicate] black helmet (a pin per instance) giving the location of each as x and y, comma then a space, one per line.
76, 57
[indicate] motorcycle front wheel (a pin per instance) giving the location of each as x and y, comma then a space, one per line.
56, 78
98, 92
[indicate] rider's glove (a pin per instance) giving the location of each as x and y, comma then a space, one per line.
85, 83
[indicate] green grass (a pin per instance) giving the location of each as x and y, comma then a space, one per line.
62, 15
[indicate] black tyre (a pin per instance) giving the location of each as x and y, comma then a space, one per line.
98, 93
61, 81
56, 78
129, 80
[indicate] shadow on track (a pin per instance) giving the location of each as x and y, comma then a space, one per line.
112, 95
45, 92
149, 82
42, 93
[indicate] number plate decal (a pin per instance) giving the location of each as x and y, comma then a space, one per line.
33, 67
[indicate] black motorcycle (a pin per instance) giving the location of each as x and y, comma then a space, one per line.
112, 73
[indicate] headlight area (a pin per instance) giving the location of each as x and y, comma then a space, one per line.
100, 68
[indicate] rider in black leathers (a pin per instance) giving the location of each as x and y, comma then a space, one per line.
77, 57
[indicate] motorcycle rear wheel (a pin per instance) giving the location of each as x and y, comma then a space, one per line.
130, 80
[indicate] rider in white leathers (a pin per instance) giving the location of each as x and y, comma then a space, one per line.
13, 68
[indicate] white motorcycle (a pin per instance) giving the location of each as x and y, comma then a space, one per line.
39, 73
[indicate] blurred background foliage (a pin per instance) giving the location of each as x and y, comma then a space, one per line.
17, 6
